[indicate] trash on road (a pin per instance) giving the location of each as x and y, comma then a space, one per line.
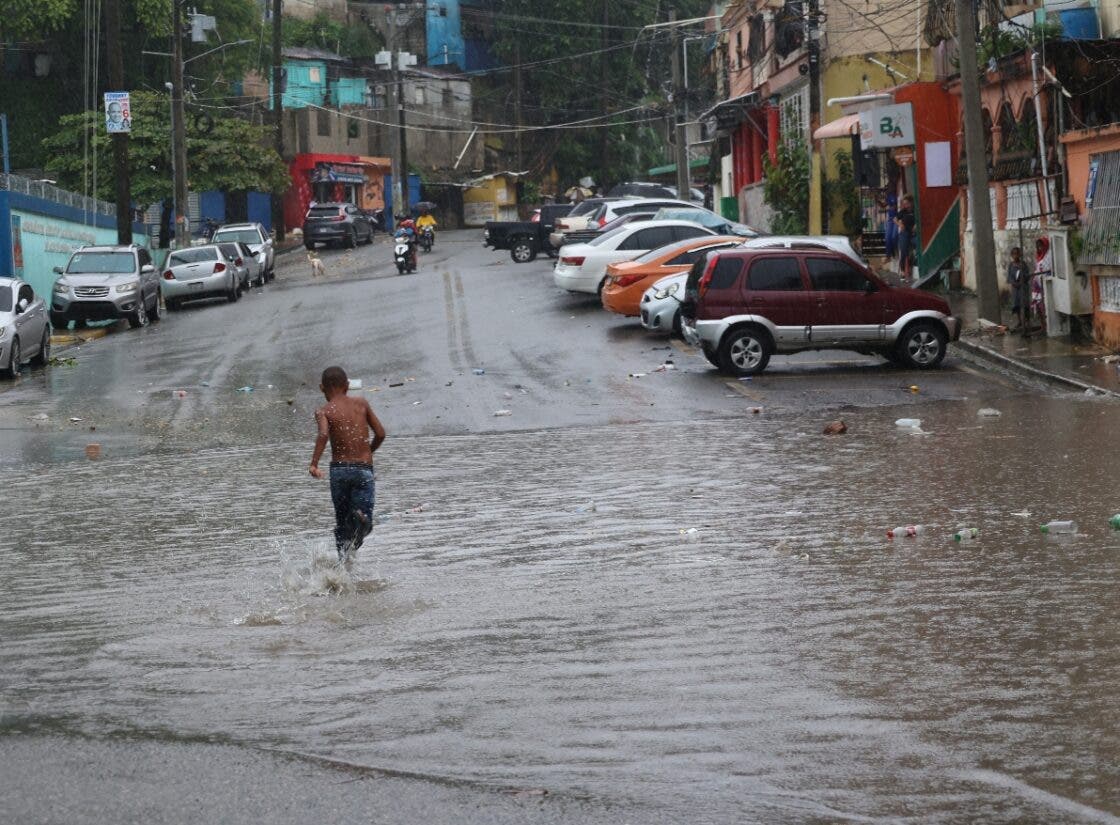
179, 394
757, 410
479, 371
417, 403
419, 508
1022, 514
989, 412
692, 534
1110, 359
355, 383
39, 417
909, 423
1114, 522
502, 413
246, 388
1054, 528
832, 428
636, 375
62, 362
93, 451
396, 383
668, 365
507, 395
966, 534
914, 388
906, 531
746, 378
75, 420
588, 507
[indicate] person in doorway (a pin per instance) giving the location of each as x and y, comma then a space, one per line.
347, 422
906, 225
1043, 265
1019, 282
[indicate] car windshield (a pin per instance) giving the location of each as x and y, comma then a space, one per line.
113, 263
5, 300
197, 255
243, 235
231, 250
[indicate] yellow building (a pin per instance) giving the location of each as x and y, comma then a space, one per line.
490, 198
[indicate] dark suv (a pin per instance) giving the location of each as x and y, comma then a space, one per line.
743, 305
336, 223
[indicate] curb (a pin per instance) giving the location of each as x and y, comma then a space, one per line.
67, 339
989, 357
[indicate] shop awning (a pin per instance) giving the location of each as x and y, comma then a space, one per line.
730, 113
845, 126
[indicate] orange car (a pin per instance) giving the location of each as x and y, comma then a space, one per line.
627, 281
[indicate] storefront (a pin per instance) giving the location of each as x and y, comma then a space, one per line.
355, 179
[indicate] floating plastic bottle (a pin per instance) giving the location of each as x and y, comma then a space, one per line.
966, 534
909, 423
905, 532
1114, 522
1054, 528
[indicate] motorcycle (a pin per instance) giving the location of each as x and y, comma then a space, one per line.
404, 252
427, 238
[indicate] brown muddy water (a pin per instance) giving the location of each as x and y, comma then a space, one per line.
785, 662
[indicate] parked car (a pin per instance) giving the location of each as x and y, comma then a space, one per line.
199, 272
743, 305
240, 265
576, 219
837, 243
106, 283
525, 239
582, 267
254, 264
25, 334
708, 218
341, 223
584, 235
660, 308
628, 280
642, 189
259, 241
613, 209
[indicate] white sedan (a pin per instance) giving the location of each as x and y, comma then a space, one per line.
582, 267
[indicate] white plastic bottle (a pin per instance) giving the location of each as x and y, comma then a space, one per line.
905, 532
1054, 528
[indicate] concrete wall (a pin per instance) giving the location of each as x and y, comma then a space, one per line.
306, 9
753, 209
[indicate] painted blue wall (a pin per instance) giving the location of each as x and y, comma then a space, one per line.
413, 195
212, 205
259, 206
445, 34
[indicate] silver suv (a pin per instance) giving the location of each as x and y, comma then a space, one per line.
106, 283
259, 241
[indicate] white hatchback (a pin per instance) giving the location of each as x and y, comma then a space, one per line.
582, 267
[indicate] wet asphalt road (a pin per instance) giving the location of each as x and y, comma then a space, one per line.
530, 615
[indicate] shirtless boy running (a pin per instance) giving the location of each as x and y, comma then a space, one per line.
346, 422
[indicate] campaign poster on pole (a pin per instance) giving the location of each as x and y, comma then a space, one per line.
118, 113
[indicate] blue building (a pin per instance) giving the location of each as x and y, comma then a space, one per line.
459, 33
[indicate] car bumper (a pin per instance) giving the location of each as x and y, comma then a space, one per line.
325, 234
623, 300
658, 315
206, 287
95, 309
574, 280
953, 325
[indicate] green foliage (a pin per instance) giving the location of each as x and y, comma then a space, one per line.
232, 156
589, 70
34, 18
841, 194
996, 42
321, 32
786, 189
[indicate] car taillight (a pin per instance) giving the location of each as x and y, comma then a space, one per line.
602, 221
560, 226
573, 261
535, 219
168, 276
240, 262
219, 267
706, 278
628, 280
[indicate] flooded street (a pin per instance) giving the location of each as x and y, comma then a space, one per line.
665, 609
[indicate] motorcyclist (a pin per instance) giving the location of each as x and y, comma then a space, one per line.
426, 219
406, 231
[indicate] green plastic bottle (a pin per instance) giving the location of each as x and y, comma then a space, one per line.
1114, 522
966, 533
1056, 527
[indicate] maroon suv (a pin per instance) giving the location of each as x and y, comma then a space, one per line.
743, 305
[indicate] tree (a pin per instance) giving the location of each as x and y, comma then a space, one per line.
321, 32
224, 153
786, 188
34, 18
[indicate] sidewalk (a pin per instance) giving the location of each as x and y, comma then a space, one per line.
1058, 361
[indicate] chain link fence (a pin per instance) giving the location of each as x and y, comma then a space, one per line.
49, 192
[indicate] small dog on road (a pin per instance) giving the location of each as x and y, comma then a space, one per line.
317, 268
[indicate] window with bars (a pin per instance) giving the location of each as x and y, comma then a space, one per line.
794, 114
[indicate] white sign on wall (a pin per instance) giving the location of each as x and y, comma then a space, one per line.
884, 127
118, 113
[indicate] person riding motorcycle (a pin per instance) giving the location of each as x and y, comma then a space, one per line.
426, 221
406, 231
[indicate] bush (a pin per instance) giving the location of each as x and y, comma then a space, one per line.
786, 189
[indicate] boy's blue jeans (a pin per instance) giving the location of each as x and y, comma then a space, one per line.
352, 491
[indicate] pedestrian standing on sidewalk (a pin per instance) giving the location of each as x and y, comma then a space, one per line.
1019, 280
906, 224
1043, 265
346, 422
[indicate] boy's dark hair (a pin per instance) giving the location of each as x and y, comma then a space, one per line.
335, 378
1015, 249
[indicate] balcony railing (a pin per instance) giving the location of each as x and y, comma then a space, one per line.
50, 192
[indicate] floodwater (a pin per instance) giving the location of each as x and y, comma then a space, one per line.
783, 663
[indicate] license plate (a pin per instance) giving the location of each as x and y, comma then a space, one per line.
195, 285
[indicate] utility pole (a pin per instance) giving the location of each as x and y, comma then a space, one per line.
278, 109
816, 201
398, 162
987, 279
179, 127
120, 141
517, 104
680, 130
604, 97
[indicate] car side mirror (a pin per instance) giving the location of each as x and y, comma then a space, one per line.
22, 306
58, 270
871, 287
146, 268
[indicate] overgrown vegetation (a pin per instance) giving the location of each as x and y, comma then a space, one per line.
321, 32
786, 189
995, 42
841, 195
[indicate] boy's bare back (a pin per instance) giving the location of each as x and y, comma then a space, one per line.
347, 422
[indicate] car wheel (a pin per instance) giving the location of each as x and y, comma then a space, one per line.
233, 293
745, 351
401, 269
922, 345
369, 236
153, 313
15, 360
43, 356
522, 251
351, 239
711, 355
139, 318
270, 275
